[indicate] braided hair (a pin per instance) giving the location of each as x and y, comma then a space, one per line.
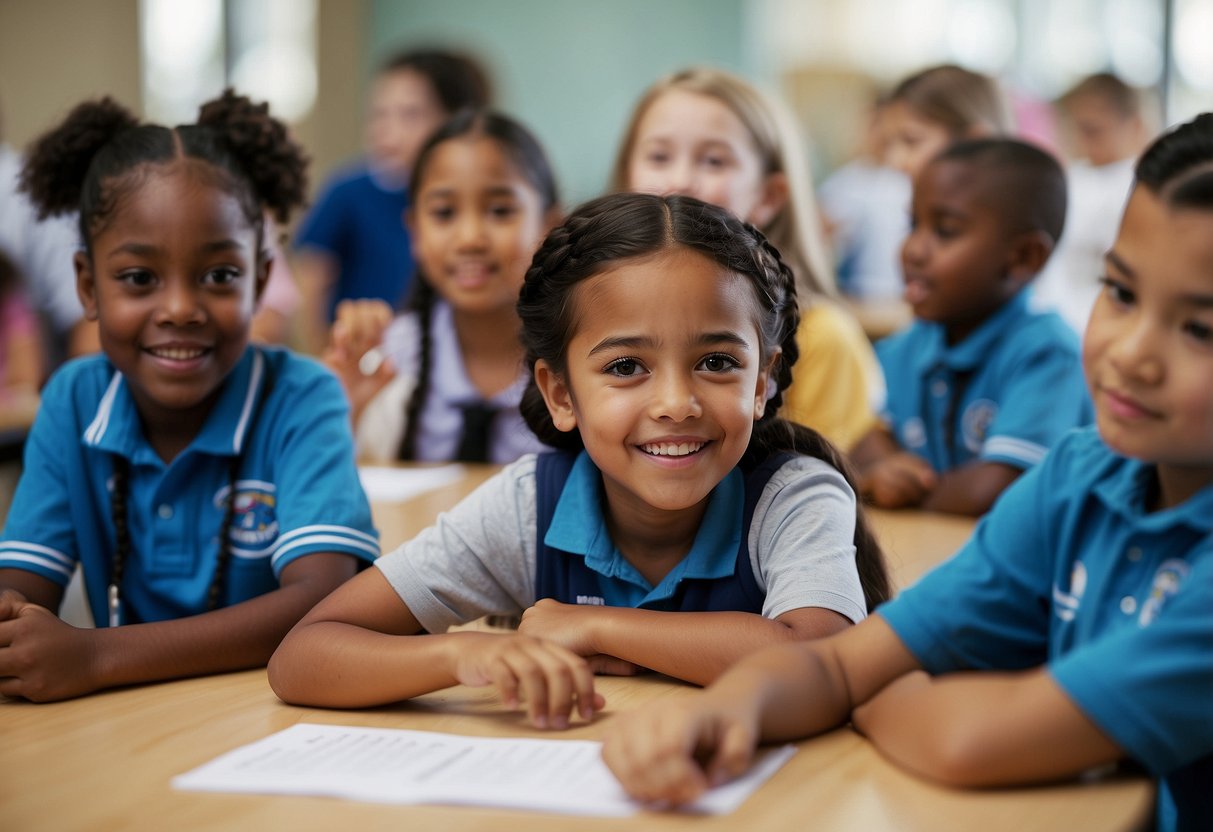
101, 155
520, 147
1178, 166
625, 226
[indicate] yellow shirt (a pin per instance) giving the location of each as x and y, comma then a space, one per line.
836, 381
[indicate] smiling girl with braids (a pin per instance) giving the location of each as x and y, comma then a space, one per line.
679, 525
205, 486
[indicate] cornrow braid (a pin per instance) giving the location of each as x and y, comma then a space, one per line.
421, 303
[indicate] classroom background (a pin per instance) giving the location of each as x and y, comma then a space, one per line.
572, 68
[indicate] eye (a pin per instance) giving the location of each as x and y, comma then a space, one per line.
137, 278
221, 276
441, 213
502, 210
715, 161
657, 157
947, 230
624, 368
1117, 292
719, 362
1199, 331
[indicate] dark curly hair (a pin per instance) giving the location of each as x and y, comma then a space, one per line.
100, 153
624, 226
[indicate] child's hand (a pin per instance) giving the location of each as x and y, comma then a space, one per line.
899, 480
550, 679
568, 625
671, 753
359, 328
42, 658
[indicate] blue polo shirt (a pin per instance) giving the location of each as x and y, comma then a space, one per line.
579, 528
1070, 569
297, 491
358, 220
1006, 393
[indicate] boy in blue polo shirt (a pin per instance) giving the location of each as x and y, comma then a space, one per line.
979, 387
205, 487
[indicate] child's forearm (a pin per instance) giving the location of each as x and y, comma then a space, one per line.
699, 646
877, 444
984, 729
336, 665
971, 489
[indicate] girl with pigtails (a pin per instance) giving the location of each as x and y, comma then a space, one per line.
677, 527
205, 487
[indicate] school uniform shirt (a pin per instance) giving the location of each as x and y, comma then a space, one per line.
1072, 570
358, 220
381, 426
1006, 393
480, 557
297, 491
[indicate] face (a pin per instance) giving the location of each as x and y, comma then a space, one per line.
1148, 348
172, 284
663, 380
957, 259
404, 112
1101, 134
692, 144
476, 223
912, 140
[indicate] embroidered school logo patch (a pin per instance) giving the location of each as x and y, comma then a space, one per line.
1065, 603
254, 519
975, 424
591, 600
913, 433
1166, 583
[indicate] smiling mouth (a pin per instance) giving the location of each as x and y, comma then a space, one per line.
673, 448
177, 353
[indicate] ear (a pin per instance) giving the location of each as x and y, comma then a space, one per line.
557, 396
265, 264
1028, 254
765, 388
86, 284
774, 197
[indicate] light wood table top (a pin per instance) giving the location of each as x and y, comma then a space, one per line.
106, 761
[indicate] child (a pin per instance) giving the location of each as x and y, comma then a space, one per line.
939, 105
680, 526
484, 198
710, 135
1107, 125
206, 487
1090, 584
979, 386
353, 243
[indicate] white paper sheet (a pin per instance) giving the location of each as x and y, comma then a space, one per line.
388, 765
395, 485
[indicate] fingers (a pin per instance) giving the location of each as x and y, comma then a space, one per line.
733, 754
651, 755
550, 680
11, 602
359, 325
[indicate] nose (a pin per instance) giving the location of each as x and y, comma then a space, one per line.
1136, 353
675, 398
680, 178
180, 304
914, 247
471, 230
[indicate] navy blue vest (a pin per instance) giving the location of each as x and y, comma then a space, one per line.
564, 576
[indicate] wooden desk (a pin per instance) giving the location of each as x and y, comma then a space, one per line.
105, 762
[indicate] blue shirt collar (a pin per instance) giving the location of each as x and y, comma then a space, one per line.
974, 349
116, 427
1124, 492
579, 527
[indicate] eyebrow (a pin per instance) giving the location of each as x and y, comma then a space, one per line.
647, 342
1121, 266
1192, 299
148, 249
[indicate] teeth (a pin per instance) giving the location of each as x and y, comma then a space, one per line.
177, 353
672, 448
